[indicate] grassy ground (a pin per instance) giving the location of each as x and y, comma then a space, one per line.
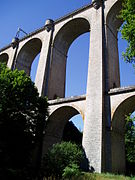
96, 176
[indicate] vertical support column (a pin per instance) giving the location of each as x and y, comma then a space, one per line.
112, 24
112, 57
41, 80
57, 74
92, 136
11, 57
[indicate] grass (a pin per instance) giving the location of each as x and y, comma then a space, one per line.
107, 176
96, 176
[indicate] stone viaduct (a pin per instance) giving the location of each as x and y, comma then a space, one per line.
105, 104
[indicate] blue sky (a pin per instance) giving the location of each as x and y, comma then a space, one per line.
32, 14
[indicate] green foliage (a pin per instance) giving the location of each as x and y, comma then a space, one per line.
22, 118
128, 29
61, 156
130, 138
102, 176
130, 144
71, 171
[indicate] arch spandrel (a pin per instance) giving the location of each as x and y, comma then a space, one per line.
27, 54
4, 58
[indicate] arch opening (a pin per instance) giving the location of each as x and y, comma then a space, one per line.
127, 74
69, 32
4, 58
34, 67
77, 66
119, 72
62, 42
118, 134
60, 127
73, 130
27, 55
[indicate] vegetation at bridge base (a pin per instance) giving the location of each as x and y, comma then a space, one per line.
130, 144
93, 176
63, 159
22, 119
128, 29
102, 176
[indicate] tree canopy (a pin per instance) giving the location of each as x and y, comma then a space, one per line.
128, 29
22, 119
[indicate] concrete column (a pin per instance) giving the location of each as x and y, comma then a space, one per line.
11, 58
112, 57
92, 136
57, 74
41, 80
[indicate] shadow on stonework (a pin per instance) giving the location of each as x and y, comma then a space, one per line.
85, 165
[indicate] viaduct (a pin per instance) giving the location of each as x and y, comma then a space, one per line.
105, 104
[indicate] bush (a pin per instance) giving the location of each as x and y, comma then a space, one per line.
71, 171
60, 156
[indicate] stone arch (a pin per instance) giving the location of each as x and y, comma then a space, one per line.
4, 58
113, 23
112, 19
56, 123
69, 32
27, 54
62, 41
118, 141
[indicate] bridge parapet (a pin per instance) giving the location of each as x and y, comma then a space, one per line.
121, 90
67, 100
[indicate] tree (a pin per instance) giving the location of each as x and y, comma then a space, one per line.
60, 156
22, 119
130, 143
128, 29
